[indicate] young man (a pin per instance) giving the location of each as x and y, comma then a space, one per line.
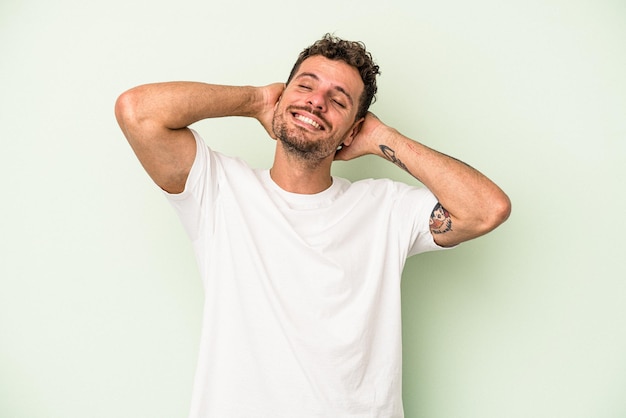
301, 270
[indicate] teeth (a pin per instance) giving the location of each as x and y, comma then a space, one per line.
308, 120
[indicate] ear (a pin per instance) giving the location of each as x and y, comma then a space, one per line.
277, 102
356, 128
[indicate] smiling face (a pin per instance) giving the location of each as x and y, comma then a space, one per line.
318, 108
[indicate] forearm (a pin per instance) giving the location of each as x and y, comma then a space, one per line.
175, 105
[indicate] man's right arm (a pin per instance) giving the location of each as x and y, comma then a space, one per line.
154, 119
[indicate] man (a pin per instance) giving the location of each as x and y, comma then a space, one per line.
301, 270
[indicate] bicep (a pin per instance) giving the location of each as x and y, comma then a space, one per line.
166, 154
167, 158
440, 225
449, 230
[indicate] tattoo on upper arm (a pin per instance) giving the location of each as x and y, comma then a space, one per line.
391, 156
440, 220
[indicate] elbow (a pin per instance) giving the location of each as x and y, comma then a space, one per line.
505, 207
495, 211
500, 211
126, 108
132, 116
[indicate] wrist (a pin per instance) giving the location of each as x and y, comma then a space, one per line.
387, 138
251, 101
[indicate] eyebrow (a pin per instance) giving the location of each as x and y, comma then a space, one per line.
336, 87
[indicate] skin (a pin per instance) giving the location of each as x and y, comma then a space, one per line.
310, 118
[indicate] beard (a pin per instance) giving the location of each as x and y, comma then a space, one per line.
295, 138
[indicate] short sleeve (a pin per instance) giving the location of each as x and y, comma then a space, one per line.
414, 207
200, 189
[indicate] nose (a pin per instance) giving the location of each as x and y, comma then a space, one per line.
317, 100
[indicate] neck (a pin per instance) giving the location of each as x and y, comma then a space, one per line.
296, 175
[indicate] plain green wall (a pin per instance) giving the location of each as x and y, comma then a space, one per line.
99, 294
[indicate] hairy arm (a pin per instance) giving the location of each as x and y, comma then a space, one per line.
154, 119
469, 205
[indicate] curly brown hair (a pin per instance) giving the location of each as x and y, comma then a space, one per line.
354, 54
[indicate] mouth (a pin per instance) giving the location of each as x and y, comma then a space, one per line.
308, 121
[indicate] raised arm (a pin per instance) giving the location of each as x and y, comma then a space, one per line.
154, 119
469, 205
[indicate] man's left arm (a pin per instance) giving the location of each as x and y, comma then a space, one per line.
470, 205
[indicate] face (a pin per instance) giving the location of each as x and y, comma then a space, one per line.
317, 110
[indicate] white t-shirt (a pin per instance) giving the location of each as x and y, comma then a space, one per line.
302, 292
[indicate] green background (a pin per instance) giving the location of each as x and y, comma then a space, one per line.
100, 299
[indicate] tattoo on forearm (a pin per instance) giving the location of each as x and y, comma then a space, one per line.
440, 220
391, 156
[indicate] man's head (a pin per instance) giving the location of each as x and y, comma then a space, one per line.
325, 100
352, 53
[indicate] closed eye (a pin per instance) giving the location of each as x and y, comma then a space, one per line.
340, 104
